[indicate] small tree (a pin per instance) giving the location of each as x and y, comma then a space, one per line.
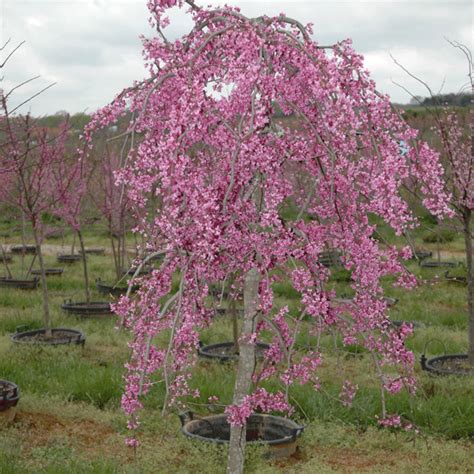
71, 179
29, 159
456, 147
114, 205
213, 151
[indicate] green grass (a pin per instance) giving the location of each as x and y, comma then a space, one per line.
74, 394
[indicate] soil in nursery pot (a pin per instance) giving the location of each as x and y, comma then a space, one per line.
84, 309
9, 396
19, 249
59, 336
111, 290
94, 251
131, 272
225, 351
48, 271
19, 284
69, 258
461, 279
440, 264
278, 434
457, 364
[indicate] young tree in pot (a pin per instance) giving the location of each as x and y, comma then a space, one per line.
455, 143
73, 175
113, 204
30, 159
212, 151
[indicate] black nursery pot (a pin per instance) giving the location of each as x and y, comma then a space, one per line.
48, 271
9, 395
116, 291
131, 272
60, 336
19, 249
449, 364
69, 258
84, 309
436, 264
93, 251
455, 279
279, 434
223, 351
19, 284
422, 255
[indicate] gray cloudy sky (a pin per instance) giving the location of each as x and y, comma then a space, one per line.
91, 48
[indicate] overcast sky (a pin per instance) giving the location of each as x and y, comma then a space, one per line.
91, 48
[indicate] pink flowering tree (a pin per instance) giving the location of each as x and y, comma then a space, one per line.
71, 180
29, 158
113, 203
222, 166
456, 147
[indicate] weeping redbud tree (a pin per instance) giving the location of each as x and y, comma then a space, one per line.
211, 148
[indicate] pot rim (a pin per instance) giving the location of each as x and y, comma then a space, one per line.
79, 339
297, 429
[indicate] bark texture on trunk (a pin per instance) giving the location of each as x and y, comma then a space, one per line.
245, 369
84, 265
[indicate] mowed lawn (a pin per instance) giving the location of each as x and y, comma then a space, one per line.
69, 418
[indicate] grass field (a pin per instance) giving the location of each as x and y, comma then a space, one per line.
69, 418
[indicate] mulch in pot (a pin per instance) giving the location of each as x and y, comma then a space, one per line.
48, 271
278, 434
59, 336
225, 351
113, 290
438, 264
448, 364
131, 271
23, 249
87, 309
93, 251
9, 396
461, 279
69, 258
30, 284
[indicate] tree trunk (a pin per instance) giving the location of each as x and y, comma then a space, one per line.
4, 258
84, 266
470, 285
44, 286
235, 324
246, 367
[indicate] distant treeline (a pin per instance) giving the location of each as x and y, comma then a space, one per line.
78, 121
458, 100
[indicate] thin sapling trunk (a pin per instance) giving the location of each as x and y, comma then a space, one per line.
245, 369
235, 325
44, 286
84, 266
5, 262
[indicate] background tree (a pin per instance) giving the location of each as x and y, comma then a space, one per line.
29, 159
456, 144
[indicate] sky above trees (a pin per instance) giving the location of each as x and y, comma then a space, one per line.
91, 48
